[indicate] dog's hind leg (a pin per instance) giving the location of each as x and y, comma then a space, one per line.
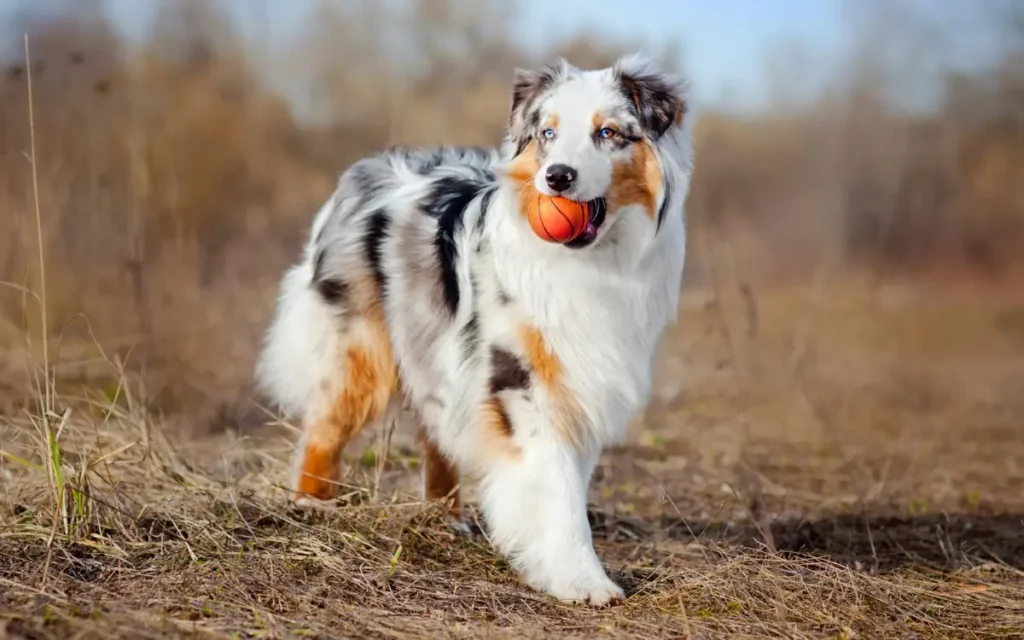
358, 394
328, 360
439, 478
439, 481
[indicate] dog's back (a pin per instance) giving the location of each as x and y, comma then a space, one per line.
381, 272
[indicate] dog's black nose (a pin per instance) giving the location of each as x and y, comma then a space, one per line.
560, 177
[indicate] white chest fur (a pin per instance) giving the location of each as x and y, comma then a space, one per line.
601, 316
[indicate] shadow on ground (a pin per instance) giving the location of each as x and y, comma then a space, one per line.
945, 542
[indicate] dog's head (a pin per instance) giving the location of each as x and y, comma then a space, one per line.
597, 135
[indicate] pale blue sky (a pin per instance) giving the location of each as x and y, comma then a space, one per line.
727, 45
723, 41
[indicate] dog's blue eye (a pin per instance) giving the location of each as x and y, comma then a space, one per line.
606, 133
548, 133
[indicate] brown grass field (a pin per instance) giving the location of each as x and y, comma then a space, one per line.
834, 447
860, 477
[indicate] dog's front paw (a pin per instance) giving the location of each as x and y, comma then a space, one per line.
309, 503
595, 592
593, 588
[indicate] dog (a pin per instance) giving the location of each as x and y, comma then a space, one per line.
422, 285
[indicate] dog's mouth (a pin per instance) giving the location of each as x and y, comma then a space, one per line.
589, 234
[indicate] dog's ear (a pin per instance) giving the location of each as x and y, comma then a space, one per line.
660, 101
527, 86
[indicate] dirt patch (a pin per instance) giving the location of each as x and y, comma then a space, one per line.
874, 493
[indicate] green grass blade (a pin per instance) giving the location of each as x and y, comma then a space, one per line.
22, 461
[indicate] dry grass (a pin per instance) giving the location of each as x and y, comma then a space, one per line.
875, 496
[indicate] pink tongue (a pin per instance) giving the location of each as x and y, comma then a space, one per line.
590, 232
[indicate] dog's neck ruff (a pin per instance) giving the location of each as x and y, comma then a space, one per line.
602, 308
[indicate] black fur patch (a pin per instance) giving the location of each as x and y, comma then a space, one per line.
523, 142
657, 105
507, 372
503, 296
485, 205
447, 202
664, 205
332, 290
373, 244
533, 121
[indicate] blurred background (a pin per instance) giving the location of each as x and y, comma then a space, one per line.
182, 147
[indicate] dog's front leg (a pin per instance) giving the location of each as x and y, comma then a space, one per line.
536, 512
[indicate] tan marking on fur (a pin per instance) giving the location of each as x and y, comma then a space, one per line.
319, 471
600, 122
440, 478
371, 379
636, 181
366, 299
521, 171
524, 167
547, 366
497, 416
496, 430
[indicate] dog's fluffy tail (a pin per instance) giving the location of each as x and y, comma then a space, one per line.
300, 347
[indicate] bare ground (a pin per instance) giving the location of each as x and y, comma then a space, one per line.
814, 464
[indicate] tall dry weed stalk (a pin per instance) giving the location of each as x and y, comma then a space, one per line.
47, 385
48, 436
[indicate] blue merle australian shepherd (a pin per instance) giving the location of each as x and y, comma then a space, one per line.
423, 286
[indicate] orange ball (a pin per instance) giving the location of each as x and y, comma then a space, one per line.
558, 219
